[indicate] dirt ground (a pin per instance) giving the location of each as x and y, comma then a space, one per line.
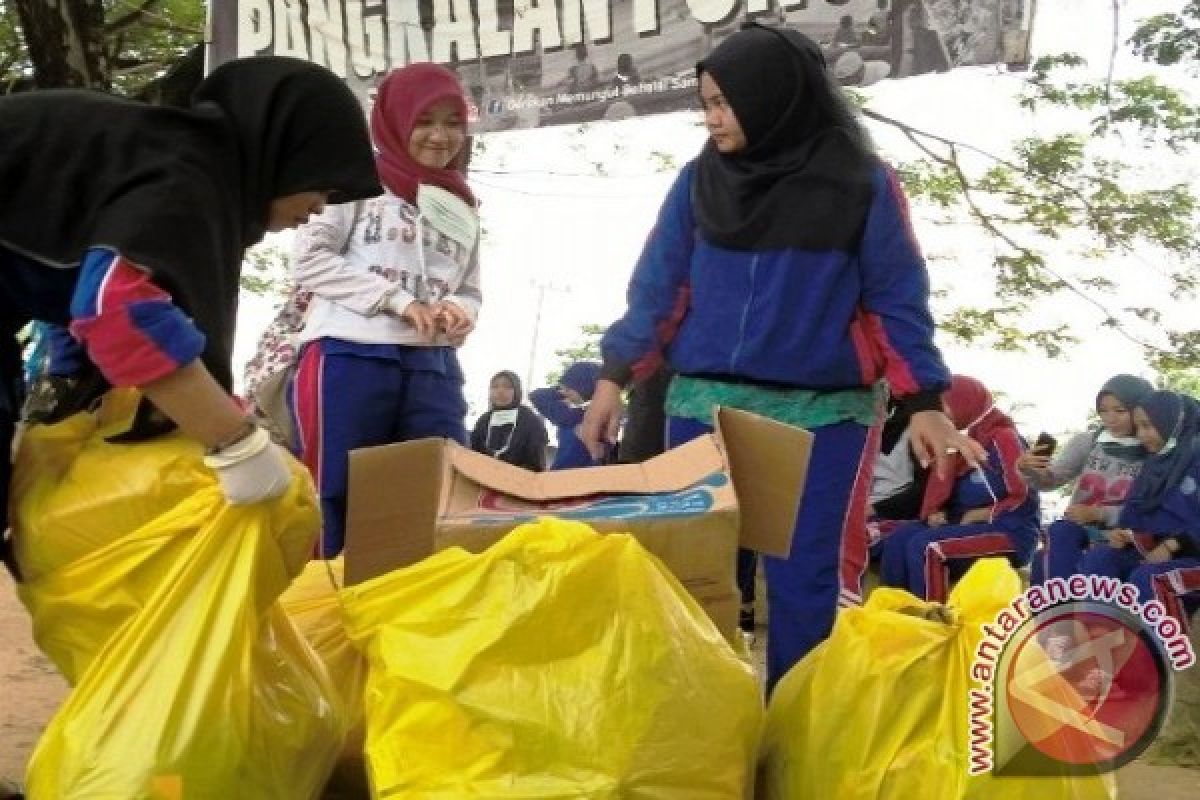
30, 690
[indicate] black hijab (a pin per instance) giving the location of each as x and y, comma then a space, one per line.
521, 442
180, 192
804, 179
518, 392
298, 129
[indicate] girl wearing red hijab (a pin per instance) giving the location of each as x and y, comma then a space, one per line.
395, 285
969, 513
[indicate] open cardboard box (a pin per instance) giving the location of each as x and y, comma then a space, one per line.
692, 506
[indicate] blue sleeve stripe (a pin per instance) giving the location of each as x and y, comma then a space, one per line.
97, 265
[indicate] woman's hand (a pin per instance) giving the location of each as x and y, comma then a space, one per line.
1120, 537
936, 441
422, 318
249, 466
936, 520
1031, 462
1084, 515
976, 516
602, 420
251, 470
1160, 554
454, 321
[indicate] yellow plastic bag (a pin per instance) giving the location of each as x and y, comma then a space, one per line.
879, 710
558, 664
313, 605
157, 601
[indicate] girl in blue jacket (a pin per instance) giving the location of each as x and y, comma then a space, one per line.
783, 278
1157, 546
564, 406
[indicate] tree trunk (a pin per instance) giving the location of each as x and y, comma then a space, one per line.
64, 39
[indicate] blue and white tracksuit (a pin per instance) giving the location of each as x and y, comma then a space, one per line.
926, 560
1175, 582
816, 320
571, 452
365, 377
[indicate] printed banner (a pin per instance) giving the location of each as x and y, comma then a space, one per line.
527, 63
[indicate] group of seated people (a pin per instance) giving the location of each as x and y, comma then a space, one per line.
1134, 513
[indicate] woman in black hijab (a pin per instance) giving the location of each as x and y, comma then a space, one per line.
127, 223
510, 430
783, 278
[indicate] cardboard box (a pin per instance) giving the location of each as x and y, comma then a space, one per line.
691, 506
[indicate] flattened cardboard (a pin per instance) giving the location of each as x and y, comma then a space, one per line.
769, 465
691, 506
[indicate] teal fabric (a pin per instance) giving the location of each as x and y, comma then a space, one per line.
698, 398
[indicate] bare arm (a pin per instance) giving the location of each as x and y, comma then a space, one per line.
193, 399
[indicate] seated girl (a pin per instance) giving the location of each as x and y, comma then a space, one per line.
1105, 461
969, 513
1157, 546
898, 481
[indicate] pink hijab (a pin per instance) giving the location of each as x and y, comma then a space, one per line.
403, 96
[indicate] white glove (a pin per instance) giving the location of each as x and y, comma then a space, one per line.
251, 469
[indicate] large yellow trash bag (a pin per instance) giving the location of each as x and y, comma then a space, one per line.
313, 604
157, 601
879, 710
559, 664
314, 607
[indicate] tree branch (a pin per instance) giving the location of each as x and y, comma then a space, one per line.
161, 23
123, 22
911, 131
951, 162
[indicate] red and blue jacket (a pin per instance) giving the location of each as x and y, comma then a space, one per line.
821, 320
131, 329
1015, 506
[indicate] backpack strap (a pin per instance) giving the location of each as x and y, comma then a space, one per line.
358, 206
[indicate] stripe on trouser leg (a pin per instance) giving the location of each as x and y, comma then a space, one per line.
939, 554
852, 555
308, 406
1185, 580
1170, 587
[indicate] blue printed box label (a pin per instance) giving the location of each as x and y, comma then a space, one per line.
494, 506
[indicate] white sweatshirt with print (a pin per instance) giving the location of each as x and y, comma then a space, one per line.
365, 262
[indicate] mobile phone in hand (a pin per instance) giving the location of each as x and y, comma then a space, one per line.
1045, 445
